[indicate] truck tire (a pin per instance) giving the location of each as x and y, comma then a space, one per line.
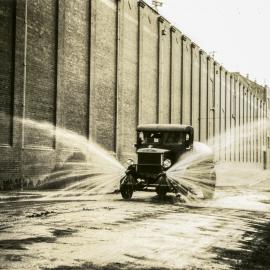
162, 188
126, 191
126, 188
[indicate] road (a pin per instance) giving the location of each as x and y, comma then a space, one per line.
232, 231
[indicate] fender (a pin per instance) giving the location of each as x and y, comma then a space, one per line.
131, 170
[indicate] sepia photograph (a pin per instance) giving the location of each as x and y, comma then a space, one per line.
134, 135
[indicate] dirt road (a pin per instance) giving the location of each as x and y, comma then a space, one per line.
104, 232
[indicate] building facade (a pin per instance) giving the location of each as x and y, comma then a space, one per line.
101, 67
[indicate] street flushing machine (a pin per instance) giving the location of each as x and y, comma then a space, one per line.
160, 149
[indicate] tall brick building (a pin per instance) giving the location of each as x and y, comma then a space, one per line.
99, 68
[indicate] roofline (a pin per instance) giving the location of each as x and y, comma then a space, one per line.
165, 127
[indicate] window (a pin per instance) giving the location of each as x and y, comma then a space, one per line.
164, 138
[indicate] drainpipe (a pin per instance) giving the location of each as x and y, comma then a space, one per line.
264, 159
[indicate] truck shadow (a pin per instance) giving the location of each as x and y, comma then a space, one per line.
168, 199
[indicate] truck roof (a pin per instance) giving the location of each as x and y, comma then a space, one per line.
165, 128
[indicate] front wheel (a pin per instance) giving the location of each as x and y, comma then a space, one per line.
162, 188
126, 191
126, 187
161, 192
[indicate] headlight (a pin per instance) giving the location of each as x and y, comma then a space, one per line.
167, 163
130, 161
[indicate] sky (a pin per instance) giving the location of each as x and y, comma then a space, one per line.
238, 31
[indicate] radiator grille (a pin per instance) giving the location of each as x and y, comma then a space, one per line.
149, 158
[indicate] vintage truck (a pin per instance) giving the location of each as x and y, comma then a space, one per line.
159, 147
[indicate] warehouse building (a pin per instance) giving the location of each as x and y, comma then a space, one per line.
101, 67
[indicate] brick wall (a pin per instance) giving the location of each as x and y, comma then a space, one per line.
101, 67
74, 57
41, 71
7, 33
103, 101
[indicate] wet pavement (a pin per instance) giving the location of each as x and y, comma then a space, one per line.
232, 231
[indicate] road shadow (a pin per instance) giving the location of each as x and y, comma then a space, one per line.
254, 251
110, 266
20, 244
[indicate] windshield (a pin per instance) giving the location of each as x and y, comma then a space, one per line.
164, 138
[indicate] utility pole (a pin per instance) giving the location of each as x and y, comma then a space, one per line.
212, 54
156, 4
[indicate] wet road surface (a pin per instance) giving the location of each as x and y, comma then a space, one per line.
231, 231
